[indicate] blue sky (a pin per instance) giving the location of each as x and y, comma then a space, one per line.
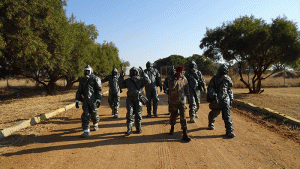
147, 30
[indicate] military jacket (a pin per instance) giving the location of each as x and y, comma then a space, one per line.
90, 89
178, 89
113, 83
220, 87
154, 76
196, 80
133, 92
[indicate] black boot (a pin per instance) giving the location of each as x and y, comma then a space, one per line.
128, 132
172, 130
185, 136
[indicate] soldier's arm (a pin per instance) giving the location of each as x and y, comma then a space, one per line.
229, 90
105, 79
79, 90
202, 81
159, 80
98, 88
166, 85
210, 89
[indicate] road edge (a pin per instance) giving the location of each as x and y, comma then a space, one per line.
274, 113
35, 120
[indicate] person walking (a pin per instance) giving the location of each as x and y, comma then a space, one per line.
90, 94
178, 90
134, 100
220, 96
114, 91
151, 89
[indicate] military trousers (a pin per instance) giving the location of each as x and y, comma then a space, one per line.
114, 103
226, 116
174, 108
194, 98
89, 112
134, 113
152, 95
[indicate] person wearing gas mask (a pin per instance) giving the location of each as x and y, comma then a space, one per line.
134, 104
220, 91
114, 91
196, 85
90, 94
178, 90
166, 85
151, 89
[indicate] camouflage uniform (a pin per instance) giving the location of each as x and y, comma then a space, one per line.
220, 89
196, 84
133, 104
178, 90
90, 88
114, 91
151, 89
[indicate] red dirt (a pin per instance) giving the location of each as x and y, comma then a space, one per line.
55, 143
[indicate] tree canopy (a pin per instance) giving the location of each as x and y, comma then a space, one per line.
38, 41
205, 64
252, 42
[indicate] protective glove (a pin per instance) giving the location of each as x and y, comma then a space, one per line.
98, 103
142, 71
76, 104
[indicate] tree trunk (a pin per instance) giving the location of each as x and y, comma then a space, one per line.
51, 87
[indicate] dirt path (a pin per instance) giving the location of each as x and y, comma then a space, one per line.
56, 144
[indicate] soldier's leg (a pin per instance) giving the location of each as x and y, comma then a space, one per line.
149, 97
85, 119
169, 113
212, 118
155, 102
183, 123
192, 107
173, 117
227, 120
110, 102
138, 117
116, 105
95, 116
197, 100
129, 116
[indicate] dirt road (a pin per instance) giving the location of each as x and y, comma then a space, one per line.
56, 144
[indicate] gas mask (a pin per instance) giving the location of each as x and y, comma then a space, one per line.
88, 71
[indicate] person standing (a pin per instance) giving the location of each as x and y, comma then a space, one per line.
134, 105
178, 90
151, 89
166, 85
114, 91
90, 94
196, 85
220, 91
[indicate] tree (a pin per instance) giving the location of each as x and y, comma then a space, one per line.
36, 45
251, 40
172, 60
80, 52
205, 64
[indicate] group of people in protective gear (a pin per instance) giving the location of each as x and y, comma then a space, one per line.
178, 85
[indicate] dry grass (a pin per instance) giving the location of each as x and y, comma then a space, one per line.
284, 100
